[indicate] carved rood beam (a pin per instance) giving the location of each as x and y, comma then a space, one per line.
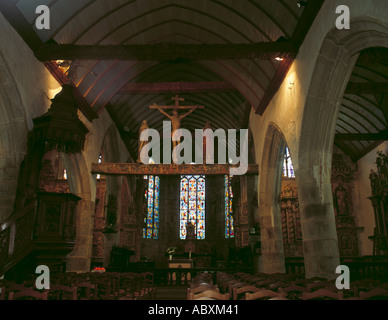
165, 51
164, 169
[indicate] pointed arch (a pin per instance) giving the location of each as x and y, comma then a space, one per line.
333, 68
269, 201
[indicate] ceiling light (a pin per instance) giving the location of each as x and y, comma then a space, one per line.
302, 4
279, 59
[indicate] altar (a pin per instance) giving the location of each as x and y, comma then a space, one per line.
180, 263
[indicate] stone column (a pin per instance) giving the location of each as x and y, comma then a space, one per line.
320, 245
269, 200
79, 259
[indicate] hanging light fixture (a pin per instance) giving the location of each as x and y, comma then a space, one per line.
60, 128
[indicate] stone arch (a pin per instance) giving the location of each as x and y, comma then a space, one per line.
111, 153
13, 138
333, 68
270, 181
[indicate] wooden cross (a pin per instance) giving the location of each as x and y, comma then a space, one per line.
176, 106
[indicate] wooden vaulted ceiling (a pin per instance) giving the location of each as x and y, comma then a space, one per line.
362, 122
216, 53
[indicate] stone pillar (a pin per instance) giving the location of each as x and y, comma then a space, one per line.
269, 201
79, 259
320, 245
271, 241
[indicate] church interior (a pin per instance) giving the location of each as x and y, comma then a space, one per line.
305, 82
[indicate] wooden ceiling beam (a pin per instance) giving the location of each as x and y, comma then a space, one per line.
373, 56
165, 51
177, 87
28, 34
380, 136
302, 28
366, 88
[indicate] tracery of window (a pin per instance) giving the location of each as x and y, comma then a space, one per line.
288, 168
151, 231
192, 205
229, 222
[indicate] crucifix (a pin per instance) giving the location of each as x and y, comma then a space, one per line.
175, 118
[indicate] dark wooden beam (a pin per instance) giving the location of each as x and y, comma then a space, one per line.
10, 11
366, 88
163, 169
384, 105
302, 28
276, 82
177, 87
380, 136
82, 104
309, 14
165, 51
373, 56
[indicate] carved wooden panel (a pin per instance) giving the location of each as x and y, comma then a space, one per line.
244, 213
162, 169
98, 245
379, 198
52, 218
24, 227
291, 223
244, 237
99, 221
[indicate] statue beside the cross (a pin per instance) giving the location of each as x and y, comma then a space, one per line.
175, 118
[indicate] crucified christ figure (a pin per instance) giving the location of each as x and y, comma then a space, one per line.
175, 118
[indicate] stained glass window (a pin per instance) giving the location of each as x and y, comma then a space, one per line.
192, 205
229, 223
151, 231
288, 168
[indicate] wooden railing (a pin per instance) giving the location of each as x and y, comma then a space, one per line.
16, 236
367, 267
46, 225
184, 276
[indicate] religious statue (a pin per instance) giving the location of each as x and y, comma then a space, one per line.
111, 212
374, 181
143, 127
190, 231
382, 163
342, 203
175, 118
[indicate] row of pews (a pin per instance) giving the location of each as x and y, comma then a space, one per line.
243, 286
84, 286
204, 286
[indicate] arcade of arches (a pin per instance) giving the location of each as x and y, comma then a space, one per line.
317, 119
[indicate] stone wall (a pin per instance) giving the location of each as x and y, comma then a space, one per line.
305, 111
